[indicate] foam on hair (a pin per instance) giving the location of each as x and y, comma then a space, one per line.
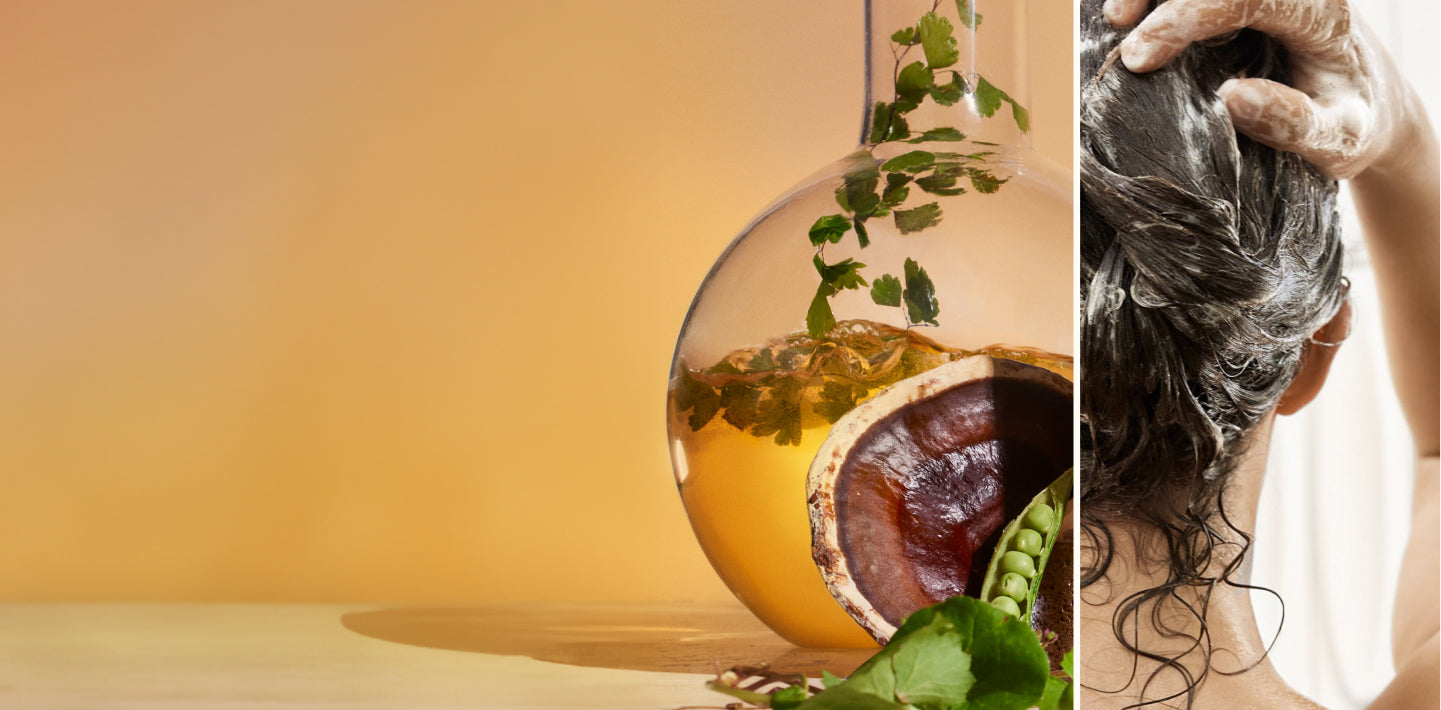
1207, 260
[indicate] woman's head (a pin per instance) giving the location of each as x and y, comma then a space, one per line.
1207, 262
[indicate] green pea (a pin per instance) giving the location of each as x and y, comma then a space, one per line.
1029, 541
1019, 563
1007, 605
1041, 517
1014, 586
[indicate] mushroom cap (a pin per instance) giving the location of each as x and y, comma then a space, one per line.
911, 488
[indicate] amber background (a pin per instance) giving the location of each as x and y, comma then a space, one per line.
346, 300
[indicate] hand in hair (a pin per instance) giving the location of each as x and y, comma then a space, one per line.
1346, 108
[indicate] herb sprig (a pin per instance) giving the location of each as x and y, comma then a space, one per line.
960, 653
873, 188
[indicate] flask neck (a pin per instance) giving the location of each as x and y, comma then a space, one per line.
911, 77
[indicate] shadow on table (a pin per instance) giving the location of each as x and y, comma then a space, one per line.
680, 639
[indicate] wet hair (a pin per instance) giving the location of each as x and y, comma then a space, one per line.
1207, 261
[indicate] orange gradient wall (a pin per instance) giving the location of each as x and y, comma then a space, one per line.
346, 300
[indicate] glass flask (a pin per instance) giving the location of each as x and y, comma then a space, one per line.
942, 234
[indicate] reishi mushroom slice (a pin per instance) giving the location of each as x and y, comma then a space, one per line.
911, 489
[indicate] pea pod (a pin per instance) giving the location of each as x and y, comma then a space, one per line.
1043, 515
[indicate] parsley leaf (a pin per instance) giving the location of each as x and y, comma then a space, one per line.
984, 181
819, 318
912, 162
861, 235
886, 290
698, 398
837, 398
840, 275
914, 220
939, 134
939, 183
1022, 116
988, 97
886, 126
858, 193
920, 294
949, 94
969, 17
829, 229
936, 40
906, 37
914, 82
780, 413
740, 401
896, 190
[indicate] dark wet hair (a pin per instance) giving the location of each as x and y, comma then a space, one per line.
1207, 261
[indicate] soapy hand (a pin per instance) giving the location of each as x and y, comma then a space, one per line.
1345, 110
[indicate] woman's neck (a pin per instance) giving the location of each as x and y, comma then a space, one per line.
1208, 631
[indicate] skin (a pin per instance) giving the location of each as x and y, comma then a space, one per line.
1350, 113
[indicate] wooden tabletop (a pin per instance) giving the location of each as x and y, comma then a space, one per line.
164, 656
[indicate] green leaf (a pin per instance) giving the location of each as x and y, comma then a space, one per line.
880, 122
858, 194
912, 162
829, 229
1051, 696
698, 398
863, 237
819, 318
939, 184
831, 680
788, 698
886, 290
936, 40
906, 37
933, 667
984, 181
914, 82
844, 697
724, 367
896, 190
969, 17
1022, 116
899, 129
939, 134
780, 413
1007, 660
920, 295
875, 677
841, 275
988, 97
887, 125
740, 400
1068, 664
948, 94
961, 654
763, 360
835, 399
914, 220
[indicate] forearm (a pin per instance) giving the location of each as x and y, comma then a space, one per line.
1417, 620
1397, 201
1415, 685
